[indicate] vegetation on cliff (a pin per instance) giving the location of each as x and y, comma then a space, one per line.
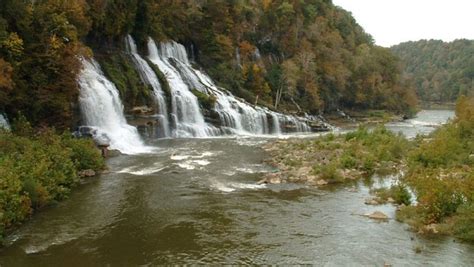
292, 55
440, 71
38, 169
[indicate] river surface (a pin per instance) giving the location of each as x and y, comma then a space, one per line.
196, 201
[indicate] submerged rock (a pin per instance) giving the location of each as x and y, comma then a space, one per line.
372, 201
377, 215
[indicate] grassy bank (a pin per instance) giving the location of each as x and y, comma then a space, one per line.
335, 159
441, 173
38, 169
439, 170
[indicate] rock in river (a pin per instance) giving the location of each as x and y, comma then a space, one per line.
377, 215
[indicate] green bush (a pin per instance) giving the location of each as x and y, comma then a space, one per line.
330, 173
84, 153
39, 169
464, 223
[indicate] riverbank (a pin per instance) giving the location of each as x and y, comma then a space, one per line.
39, 168
333, 159
438, 170
351, 118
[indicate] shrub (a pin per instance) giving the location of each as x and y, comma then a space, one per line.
39, 169
84, 153
464, 223
330, 173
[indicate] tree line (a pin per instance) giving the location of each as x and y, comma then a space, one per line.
298, 55
441, 71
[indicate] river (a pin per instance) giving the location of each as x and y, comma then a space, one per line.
195, 201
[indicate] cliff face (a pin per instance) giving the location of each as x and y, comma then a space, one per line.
293, 56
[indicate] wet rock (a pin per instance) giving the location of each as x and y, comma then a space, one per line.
271, 178
390, 200
321, 182
377, 215
87, 173
429, 229
142, 110
372, 201
113, 153
85, 132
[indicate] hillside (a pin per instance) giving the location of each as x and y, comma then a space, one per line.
440, 71
294, 56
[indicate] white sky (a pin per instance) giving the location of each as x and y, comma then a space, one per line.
394, 21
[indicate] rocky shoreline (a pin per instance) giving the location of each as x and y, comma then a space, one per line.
332, 159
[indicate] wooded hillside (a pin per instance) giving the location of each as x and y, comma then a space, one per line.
310, 52
441, 71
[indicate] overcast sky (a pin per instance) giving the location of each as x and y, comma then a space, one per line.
394, 21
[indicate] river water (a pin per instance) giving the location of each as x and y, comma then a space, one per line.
196, 201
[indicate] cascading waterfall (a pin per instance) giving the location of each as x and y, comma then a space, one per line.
236, 115
102, 109
148, 76
187, 116
4, 122
276, 123
242, 117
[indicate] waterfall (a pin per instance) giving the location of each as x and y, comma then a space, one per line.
276, 123
101, 107
245, 118
187, 117
148, 76
236, 115
4, 122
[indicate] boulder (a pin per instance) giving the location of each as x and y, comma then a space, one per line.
87, 173
377, 215
372, 201
85, 132
271, 178
102, 140
321, 182
429, 229
142, 110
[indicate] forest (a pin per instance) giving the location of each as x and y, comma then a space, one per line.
292, 56
441, 71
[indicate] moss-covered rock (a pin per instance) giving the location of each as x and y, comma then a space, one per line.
120, 70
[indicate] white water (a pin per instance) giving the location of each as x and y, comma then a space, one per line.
4, 122
148, 76
101, 108
236, 115
185, 111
